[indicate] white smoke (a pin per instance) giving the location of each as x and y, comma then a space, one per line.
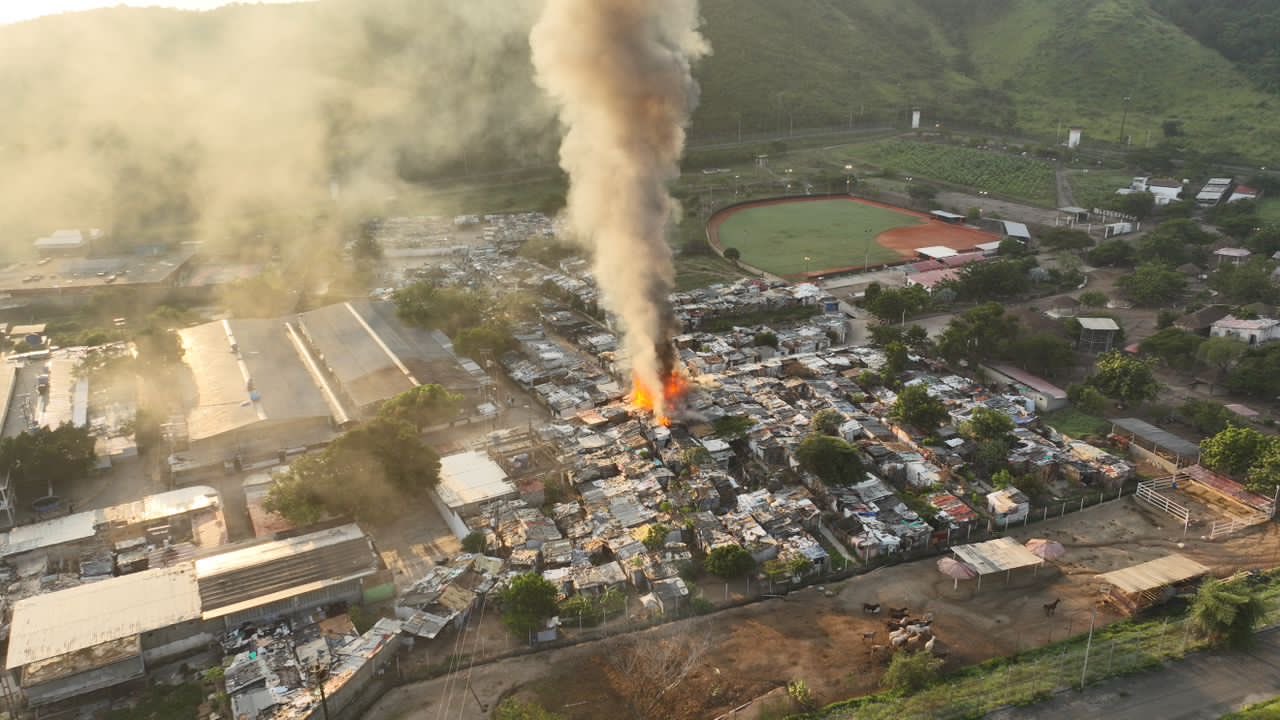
620, 71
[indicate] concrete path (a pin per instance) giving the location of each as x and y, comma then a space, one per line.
1205, 686
1066, 198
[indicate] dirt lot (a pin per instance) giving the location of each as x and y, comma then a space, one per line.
816, 638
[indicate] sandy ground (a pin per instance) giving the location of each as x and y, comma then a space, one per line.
819, 639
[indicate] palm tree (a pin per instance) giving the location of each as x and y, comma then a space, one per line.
1226, 612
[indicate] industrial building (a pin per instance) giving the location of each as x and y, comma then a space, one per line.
262, 388
97, 635
373, 356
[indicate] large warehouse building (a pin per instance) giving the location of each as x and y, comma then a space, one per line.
101, 634
259, 388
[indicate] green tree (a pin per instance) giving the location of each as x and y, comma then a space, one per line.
895, 304
729, 561
911, 671
1093, 299
1012, 247
405, 461
1264, 473
978, 334
1257, 373
1063, 238
492, 338
1113, 253
1153, 284
423, 406
1138, 204
1123, 378
527, 603
994, 280
655, 538
733, 255
827, 421
1175, 348
1206, 416
766, 339
732, 427
1041, 353
988, 425
1087, 399
1221, 353
895, 359
474, 542
1226, 613
917, 408
832, 459
447, 309
1233, 450
1246, 283
35, 459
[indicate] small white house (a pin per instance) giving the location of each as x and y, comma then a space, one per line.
1251, 332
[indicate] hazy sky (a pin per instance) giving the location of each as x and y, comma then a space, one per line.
16, 10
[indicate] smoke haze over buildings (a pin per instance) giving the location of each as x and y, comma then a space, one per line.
228, 126
620, 72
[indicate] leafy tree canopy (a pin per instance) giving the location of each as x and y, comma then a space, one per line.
1124, 378
1153, 284
731, 427
423, 406
978, 334
44, 458
917, 408
833, 460
911, 671
1041, 353
1175, 348
527, 603
1233, 450
988, 425
1113, 253
729, 561
1246, 283
1227, 612
827, 421
1257, 372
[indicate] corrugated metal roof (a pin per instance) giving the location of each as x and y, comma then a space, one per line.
282, 387
1156, 436
58, 623
471, 477
1097, 323
997, 555
1168, 570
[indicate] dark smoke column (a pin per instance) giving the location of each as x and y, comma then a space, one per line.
620, 73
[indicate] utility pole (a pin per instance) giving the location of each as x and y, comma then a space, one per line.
1124, 117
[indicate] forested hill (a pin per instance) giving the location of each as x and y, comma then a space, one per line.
152, 116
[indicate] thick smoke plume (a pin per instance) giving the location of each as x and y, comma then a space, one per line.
232, 126
620, 72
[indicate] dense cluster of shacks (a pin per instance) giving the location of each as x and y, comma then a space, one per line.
612, 475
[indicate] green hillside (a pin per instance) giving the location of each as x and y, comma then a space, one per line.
140, 120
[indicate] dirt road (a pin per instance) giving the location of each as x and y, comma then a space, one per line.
819, 639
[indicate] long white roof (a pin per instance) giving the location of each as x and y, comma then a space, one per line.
46, 626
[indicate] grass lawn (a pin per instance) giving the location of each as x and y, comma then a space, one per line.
1269, 710
832, 234
1269, 211
1094, 188
1070, 421
695, 271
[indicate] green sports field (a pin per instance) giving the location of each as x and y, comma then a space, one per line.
831, 233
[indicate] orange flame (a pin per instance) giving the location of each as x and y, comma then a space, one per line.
674, 387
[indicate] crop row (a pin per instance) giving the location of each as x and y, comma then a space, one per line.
1015, 176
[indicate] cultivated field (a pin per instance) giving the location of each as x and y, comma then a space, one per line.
1013, 176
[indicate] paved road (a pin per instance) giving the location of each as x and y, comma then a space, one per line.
1203, 687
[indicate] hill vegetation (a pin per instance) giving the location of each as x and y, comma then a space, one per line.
147, 120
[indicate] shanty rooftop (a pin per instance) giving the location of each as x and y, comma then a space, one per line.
999, 555
53, 624
1169, 570
471, 477
83, 525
